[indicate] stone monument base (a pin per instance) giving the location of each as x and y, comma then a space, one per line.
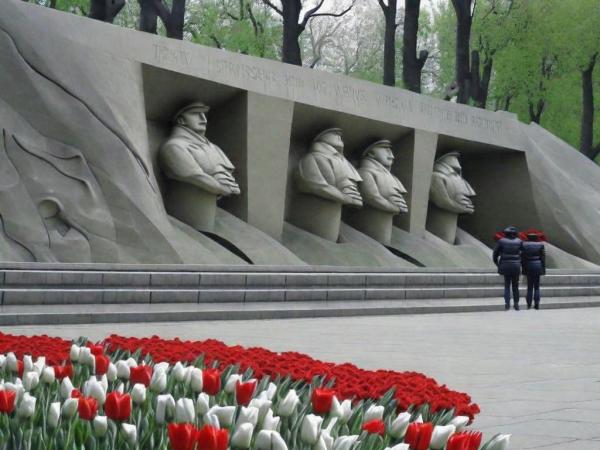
353, 249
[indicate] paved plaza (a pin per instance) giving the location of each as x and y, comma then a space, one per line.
535, 374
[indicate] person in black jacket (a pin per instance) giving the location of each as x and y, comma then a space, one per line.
507, 257
534, 265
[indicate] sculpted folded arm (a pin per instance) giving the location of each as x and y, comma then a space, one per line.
372, 196
180, 165
315, 176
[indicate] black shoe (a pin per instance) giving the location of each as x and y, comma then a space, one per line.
537, 306
528, 305
507, 307
517, 308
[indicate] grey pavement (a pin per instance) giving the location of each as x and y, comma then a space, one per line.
535, 374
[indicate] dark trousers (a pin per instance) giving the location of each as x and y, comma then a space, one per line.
511, 280
533, 289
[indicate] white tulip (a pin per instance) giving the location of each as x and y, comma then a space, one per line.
120, 388
27, 364
460, 422
66, 387
165, 408
231, 382
325, 441
196, 379
399, 447
441, 434
131, 362
30, 380
184, 411
242, 437
27, 406
271, 390
270, 422
344, 442
53, 414
212, 420
499, 442
346, 407
336, 407
263, 405
375, 412
129, 432
287, 405
48, 375
74, 353
225, 414
138, 393
11, 362
269, 440
2, 361
399, 425
310, 428
69, 407
86, 357
419, 419
158, 383
164, 366
178, 371
100, 424
39, 364
95, 389
202, 403
16, 387
123, 371
247, 415
111, 373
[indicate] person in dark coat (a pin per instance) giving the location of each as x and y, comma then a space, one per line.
534, 266
507, 257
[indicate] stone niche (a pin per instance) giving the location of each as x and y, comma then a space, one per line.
323, 231
249, 224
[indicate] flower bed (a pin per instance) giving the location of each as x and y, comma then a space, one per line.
152, 393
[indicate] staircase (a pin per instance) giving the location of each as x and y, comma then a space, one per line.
63, 294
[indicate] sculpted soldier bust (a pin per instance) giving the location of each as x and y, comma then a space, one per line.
326, 173
188, 156
450, 195
449, 190
198, 171
379, 188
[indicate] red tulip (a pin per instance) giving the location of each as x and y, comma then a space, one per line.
76, 393
61, 372
7, 401
96, 349
244, 392
117, 406
458, 441
374, 426
102, 363
140, 374
87, 408
211, 438
418, 435
322, 400
20, 368
211, 381
182, 436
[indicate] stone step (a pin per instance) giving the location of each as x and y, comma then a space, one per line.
128, 312
57, 295
277, 279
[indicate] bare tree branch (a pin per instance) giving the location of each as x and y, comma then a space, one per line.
340, 14
273, 7
311, 12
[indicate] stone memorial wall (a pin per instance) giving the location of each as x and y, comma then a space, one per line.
122, 147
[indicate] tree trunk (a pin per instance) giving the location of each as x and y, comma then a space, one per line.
412, 65
480, 83
462, 9
291, 32
536, 111
587, 110
389, 43
105, 10
148, 16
